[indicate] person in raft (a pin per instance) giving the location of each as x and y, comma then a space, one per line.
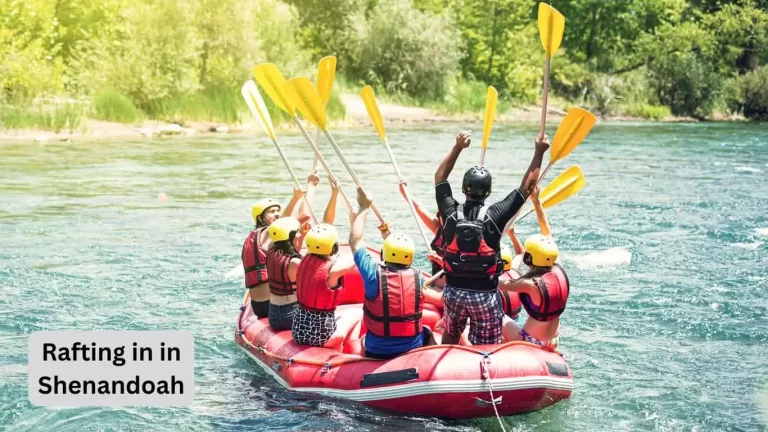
510, 301
283, 261
434, 224
319, 280
394, 297
256, 245
472, 235
543, 290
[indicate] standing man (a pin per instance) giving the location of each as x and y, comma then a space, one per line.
472, 237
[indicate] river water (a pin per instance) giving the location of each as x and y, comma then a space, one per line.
666, 248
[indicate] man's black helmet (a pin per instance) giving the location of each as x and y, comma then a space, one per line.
477, 183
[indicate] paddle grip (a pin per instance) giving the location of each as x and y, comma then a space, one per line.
544, 95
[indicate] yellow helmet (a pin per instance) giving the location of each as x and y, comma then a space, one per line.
262, 205
321, 239
398, 249
281, 229
541, 250
506, 256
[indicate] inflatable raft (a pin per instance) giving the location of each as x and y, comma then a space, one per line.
446, 381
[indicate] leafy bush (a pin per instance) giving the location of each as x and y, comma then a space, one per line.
751, 94
647, 111
686, 83
401, 49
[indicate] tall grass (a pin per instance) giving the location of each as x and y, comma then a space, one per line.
647, 111
53, 116
111, 105
217, 104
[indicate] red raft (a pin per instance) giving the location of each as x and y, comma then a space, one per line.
446, 381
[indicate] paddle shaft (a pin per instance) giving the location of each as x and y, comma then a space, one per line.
482, 157
295, 179
434, 277
322, 161
317, 140
407, 195
351, 171
545, 92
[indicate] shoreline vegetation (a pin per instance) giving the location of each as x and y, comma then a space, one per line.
109, 68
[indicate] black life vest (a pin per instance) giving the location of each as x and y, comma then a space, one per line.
467, 254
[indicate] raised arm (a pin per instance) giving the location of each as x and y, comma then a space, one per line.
288, 210
358, 225
429, 220
531, 177
303, 230
540, 215
463, 140
330, 210
516, 243
312, 181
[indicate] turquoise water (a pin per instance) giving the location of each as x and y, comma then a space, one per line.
666, 247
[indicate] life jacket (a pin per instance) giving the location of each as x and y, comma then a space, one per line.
254, 259
467, 255
277, 267
438, 243
553, 287
396, 310
312, 288
510, 300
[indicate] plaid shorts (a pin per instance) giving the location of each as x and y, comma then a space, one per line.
483, 308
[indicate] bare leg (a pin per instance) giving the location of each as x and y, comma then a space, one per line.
510, 330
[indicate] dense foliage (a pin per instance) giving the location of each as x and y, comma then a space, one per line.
126, 60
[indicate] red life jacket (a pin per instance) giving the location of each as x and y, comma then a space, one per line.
467, 255
510, 300
553, 288
312, 288
254, 259
277, 267
396, 310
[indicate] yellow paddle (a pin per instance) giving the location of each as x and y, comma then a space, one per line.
571, 132
305, 98
271, 80
326, 72
256, 104
373, 112
564, 186
490, 113
551, 28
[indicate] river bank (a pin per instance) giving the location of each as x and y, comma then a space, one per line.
356, 117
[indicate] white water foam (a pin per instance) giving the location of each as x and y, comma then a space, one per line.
748, 246
762, 231
235, 273
605, 259
747, 169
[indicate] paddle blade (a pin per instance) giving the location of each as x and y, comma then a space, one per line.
271, 80
551, 28
490, 113
566, 185
256, 104
373, 110
326, 72
302, 94
572, 130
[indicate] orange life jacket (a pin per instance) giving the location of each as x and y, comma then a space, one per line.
396, 310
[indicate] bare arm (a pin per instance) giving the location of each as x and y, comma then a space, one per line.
293, 268
288, 210
299, 240
516, 243
358, 225
546, 230
312, 181
342, 266
330, 210
522, 285
463, 141
429, 220
531, 177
